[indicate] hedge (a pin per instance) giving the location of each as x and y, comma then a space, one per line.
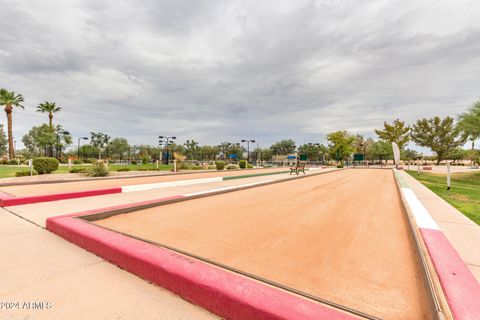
45, 165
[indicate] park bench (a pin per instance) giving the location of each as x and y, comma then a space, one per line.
298, 167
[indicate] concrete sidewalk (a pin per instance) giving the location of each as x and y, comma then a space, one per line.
462, 232
39, 267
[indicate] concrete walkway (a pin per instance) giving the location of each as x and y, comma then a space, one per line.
39, 267
67, 282
462, 232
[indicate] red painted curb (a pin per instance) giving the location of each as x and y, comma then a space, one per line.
224, 293
459, 285
15, 201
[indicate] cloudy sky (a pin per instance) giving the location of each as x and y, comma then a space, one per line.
226, 70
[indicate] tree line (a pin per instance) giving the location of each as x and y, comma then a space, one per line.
444, 137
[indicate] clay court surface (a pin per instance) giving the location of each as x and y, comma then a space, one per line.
341, 236
54, 188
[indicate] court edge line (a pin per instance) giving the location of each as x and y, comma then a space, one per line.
418, 240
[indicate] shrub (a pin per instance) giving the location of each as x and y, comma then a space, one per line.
78, 170
145, 160
123, 169
197, 167
249, 166
91, 160
339, 165
98, 169
242, 164
134, 162
24, 173
77, 161
3, 161
232, 167
212, 167
12, 162
220, 165
182, 165
45, 165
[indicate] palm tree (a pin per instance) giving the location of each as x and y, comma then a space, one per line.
49, 107
10, 100
469, 124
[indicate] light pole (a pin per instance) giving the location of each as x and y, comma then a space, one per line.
58, 142
364, 153
166, 141
248, 148
78, 146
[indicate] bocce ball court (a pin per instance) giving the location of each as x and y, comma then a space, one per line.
341, 238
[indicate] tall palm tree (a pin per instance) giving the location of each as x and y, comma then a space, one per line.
50, 108
9, 99
469, 124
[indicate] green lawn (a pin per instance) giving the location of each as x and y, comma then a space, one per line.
463, 195
9, 171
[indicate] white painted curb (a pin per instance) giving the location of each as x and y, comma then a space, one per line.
225, 188
150, 186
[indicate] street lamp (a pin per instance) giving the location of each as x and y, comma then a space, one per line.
248, 148
166, 141
364, 153
58, 142
78, 146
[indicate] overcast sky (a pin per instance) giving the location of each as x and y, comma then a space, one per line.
226, 70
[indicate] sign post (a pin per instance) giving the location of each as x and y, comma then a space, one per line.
448, 175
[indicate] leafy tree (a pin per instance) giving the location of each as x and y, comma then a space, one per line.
283, 147
341, 145
88, 151
457, 154
237, 150
119, 146
396, 132
469, 124
209, 152
440, 135
191, 149
313, 151
50, 108
62, 139
38, 139
263, 154
10, 99
99, 141
409, 154
3, 141
381, 150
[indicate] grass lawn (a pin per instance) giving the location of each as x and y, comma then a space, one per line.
9, 171
463, 195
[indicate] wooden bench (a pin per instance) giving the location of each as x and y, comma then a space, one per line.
297, 168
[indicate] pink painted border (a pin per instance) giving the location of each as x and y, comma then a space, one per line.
224, 293
8, 200
459, 285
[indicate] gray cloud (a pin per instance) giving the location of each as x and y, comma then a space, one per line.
228, 70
